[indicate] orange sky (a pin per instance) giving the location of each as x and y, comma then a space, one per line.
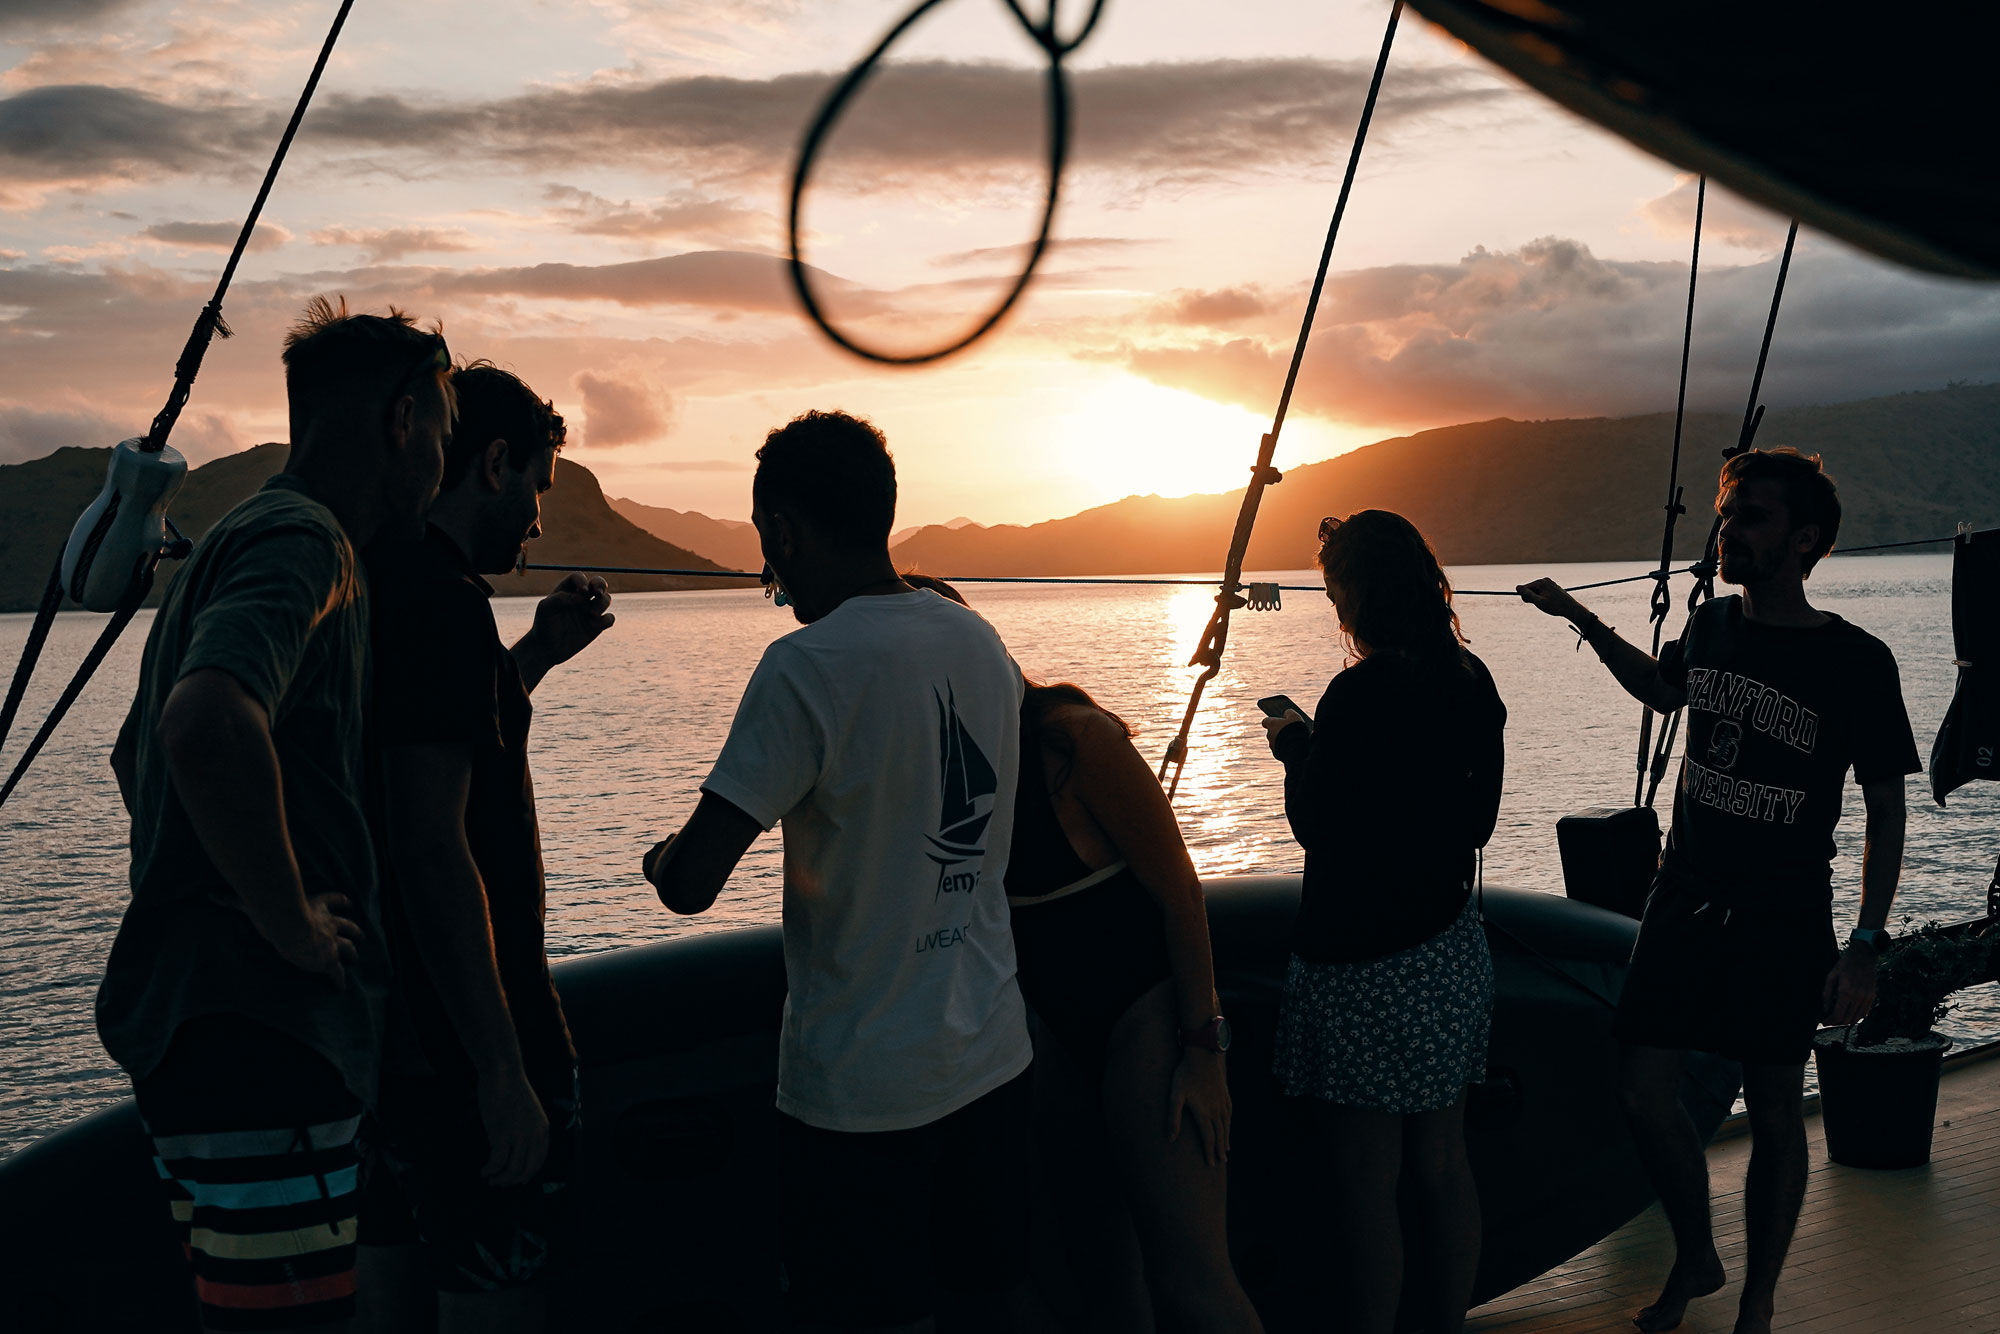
591, 191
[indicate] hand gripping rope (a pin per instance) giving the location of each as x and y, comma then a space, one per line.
207, 326
1055, 47
1214, 639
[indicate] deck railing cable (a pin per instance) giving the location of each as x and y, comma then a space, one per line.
1144, 580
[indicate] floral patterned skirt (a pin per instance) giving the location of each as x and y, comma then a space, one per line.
1404, 1033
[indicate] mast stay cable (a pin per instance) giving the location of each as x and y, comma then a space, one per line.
1214, 639
1705, 569
208, 326
1663, 600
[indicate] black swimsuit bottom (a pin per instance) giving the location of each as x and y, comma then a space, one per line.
1089, 943
1085, 956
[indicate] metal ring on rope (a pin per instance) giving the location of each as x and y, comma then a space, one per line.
1055, 47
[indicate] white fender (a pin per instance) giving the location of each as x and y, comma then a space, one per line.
125, 528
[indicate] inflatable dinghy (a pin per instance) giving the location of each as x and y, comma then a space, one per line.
675, 1196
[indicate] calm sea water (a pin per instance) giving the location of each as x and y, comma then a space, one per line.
624, 735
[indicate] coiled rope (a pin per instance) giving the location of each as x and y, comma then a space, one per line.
1055, 47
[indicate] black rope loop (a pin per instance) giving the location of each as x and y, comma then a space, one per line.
1044, 35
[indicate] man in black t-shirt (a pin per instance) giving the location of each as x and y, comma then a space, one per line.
1736, 952
472, 1139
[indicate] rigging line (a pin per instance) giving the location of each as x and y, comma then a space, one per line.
1215, 639
1753, 416
1053, 46
1705, 570
209, 323
1662, 600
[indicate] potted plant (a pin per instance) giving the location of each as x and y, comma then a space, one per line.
1878, 1079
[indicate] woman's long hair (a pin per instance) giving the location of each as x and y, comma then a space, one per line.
1036, 705
1393, 594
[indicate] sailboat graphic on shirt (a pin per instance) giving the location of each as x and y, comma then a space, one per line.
966, 806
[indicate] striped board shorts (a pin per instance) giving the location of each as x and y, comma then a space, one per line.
260, 1169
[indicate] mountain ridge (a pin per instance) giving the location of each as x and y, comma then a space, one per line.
41, 499
1503, 491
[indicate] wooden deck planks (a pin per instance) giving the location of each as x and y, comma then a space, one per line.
1875, 1251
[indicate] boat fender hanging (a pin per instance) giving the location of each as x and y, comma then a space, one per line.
1264, 597
125, 530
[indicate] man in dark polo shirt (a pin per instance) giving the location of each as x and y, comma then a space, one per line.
1736, 952
472, 1141
243, 992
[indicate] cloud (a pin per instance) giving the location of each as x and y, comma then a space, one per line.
82, 135
685, 216
390, 244
30, 432
216, 235
1228, 305
918, 122
1553, 330
1725, 218
621, 412
24, 13
9, 256
724, 280
1014, 254
1178, 121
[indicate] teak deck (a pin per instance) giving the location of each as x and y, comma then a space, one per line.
1913, 1250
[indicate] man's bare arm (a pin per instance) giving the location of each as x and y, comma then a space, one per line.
425, 790
1881, 849
1631, 666
1850, 987
224, 766
689, 869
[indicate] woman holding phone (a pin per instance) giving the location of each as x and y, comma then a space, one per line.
1391, 789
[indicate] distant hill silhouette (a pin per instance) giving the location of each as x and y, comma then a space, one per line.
1909, 465
41, 499
730, 543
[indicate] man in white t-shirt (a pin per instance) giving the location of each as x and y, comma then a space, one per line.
885, 736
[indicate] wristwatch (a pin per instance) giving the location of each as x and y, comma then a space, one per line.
1215, 1035
1874, 937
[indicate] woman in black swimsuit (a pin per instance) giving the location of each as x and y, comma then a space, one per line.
1111, 935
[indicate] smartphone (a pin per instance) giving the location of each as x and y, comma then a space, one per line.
1276, 706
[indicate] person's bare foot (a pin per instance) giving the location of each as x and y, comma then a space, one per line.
1684, 1283
1753, 1318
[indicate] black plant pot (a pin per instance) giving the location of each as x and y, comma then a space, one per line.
1878, 1106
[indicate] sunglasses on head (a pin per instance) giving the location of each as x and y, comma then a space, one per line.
436, 358
1327, 527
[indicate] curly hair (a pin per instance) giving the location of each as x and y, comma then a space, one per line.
498, 405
